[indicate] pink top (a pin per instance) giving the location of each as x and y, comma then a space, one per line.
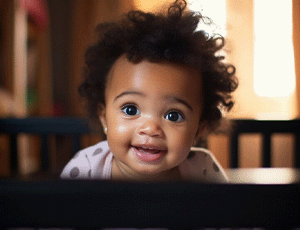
95, 162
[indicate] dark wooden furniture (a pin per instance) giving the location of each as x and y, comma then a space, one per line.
267, 128
44, 127
79, 126
181, 205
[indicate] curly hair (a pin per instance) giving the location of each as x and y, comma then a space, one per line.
169, 36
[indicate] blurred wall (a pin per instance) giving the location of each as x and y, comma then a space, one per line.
240, 45
153, 5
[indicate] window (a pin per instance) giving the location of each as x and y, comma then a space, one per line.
274, 73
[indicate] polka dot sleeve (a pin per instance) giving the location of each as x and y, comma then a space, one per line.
78, 168
203, 166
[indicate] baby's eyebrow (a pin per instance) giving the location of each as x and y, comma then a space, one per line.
181, 101
167, 98
130, 93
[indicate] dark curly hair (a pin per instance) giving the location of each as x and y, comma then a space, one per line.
169, 36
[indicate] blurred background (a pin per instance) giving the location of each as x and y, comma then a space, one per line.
42, 45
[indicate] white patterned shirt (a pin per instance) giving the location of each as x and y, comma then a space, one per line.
95, 162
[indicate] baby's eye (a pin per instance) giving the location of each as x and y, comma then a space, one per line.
131, 110
174, 116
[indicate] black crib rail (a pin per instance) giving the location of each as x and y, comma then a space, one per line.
76, 127
267, 128
106, 204
44, 127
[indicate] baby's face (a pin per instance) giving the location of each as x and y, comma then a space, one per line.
152, 116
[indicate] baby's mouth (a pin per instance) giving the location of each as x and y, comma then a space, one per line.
148, 150
149, 154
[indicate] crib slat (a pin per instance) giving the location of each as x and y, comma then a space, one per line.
234, 145
76, 143
45, 153
266, 157
13, 153
297, 150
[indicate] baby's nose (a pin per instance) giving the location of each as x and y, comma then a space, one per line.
151, 127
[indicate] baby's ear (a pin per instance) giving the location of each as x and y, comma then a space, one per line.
102, 115
202, 132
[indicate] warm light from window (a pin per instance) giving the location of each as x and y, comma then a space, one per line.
216, 10
274, 73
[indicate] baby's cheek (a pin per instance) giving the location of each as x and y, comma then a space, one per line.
183, 137
179, 144
122, 133
121, 129
116, 125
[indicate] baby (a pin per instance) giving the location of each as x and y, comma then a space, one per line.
157, 87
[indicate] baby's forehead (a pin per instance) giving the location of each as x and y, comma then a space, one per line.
123, 64
154, 80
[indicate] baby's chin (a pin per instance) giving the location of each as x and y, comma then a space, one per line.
159, 175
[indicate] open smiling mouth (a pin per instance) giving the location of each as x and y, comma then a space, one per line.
148, 150
149, 154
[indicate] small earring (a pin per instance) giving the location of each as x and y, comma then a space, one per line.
105, 130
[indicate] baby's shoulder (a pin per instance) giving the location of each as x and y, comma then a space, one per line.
203, 165
84, 162
94, 150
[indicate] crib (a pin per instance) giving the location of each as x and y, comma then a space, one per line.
76, 127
